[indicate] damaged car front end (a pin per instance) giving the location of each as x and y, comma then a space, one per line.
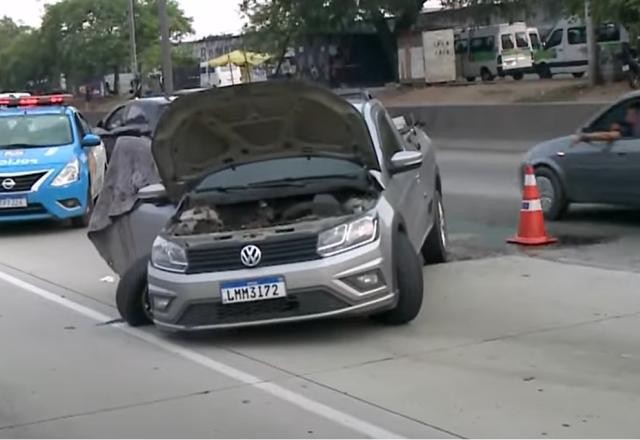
285, 206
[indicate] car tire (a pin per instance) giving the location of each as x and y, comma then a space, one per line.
471, 79
578, 75
518, 76
486, 75
550, 187
408, 273
434, 249
544, 71
84, 220
132, 295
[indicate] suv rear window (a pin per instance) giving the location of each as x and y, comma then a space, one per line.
35, 131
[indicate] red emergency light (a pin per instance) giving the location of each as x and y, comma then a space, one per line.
35, 101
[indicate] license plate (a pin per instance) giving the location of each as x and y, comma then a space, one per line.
260, 289
13, 203
625, 68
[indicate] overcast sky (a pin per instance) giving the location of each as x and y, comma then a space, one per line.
226, 18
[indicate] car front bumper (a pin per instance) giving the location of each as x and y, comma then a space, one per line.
47, 203
315, 290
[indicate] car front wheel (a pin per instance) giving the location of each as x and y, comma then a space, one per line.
408, 273
132, 295
434, 250
552, 197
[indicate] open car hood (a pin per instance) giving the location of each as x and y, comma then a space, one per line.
215, 128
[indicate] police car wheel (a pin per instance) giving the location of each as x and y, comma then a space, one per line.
83, 220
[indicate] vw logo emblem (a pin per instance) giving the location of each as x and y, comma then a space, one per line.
250, 255
8, 184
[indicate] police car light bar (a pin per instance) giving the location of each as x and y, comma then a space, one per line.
35, 101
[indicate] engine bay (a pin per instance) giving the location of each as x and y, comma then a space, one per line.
200, 216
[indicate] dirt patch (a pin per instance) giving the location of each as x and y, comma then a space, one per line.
503, 92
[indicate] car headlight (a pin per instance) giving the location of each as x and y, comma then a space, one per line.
166, 255
69, 174
347, 236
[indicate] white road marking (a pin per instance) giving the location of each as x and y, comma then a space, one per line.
317, 408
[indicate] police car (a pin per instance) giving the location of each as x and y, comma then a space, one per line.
51, 164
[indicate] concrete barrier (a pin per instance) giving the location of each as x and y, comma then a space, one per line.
525, 123
505, 127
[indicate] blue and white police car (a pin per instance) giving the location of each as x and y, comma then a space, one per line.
51, 164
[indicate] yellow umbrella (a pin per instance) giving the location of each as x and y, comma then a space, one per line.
239, 58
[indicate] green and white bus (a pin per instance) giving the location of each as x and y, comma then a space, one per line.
565, 48
491, 51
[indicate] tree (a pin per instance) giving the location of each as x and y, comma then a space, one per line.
278, 23
21, 54
91, 37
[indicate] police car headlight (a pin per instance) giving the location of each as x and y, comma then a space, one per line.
69, 174
168, 256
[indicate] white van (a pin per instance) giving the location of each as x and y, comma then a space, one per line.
498, 50
565, 48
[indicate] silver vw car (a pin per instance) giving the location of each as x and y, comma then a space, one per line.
288, 203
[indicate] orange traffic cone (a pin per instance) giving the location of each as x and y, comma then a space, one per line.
531, 231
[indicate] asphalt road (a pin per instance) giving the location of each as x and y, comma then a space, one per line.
510, 342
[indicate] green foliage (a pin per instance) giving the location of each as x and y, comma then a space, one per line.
84, 39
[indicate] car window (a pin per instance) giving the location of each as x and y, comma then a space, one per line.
136, 114
555, 39
615, 115
608, 33
116, 119
535, 41
507, 42
86, 127
462, 46
521, 40
577, 35
82, 131
482, 44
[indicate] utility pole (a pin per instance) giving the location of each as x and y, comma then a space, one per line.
592, 46
167, 67
134, 50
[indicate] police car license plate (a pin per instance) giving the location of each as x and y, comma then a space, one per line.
259, 289
9, 203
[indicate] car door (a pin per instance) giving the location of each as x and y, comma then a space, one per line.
554, 51
591, 168
108, 128
405, 190
625, 188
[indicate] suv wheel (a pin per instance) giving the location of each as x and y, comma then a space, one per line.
132, 295
434, 249
408, 272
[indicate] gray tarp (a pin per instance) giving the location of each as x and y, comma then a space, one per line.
131, 168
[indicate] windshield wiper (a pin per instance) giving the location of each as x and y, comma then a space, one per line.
300, 181
222, 189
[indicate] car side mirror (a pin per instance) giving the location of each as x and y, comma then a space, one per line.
154, 192
404, 161
91, 140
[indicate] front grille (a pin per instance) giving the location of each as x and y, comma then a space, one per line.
294, 305
23, 183
277, 250
32, 209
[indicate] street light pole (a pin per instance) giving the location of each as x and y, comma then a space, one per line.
167, 68
134, 50
591, 44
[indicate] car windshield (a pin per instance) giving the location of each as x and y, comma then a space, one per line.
297, 171
34, 131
